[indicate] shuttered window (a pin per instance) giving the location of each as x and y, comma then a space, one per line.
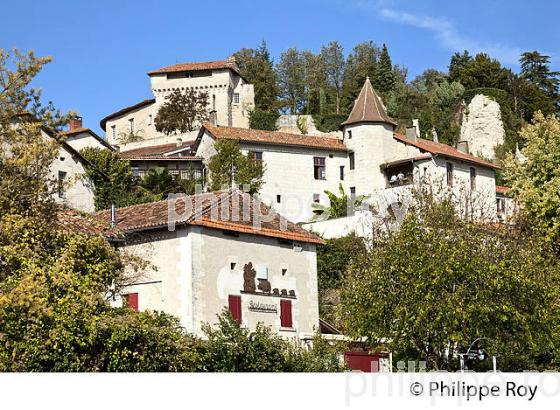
132, 301
234, 304
286, 313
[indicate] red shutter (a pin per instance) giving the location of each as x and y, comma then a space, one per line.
132, 300
234, 303
286, 313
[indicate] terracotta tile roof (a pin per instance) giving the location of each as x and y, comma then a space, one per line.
368, 108
125, 110
199, 66
500, 189
445, 150
209, 210
71, 220
273, 138
155, 150
77, 131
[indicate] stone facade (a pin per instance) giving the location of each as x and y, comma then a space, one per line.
482, 126
229, 95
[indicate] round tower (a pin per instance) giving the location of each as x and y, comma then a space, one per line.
368, 134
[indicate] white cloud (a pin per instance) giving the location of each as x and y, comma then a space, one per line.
448, 36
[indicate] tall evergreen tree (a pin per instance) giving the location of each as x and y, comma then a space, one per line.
315, 81
535, 68
458, 61
257, 67
361, 63
332, 56
384, 79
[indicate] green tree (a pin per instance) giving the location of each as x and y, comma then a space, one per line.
535, 68
229, 165
535, 181
438, 283
257, 67
231, 348
361, 63
182, 111
384, 79
480, 71
263, 120
339, 206
315, 81
332, 56
291, 79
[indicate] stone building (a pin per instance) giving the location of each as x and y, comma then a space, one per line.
230, 99
79, 137
371, 160
216, 251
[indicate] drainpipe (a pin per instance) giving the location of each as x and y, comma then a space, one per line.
113, 216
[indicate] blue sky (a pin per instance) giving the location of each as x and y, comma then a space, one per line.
102, 49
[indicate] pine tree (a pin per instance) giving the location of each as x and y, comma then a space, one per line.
384, 79
256, 67
535, 68
361, 63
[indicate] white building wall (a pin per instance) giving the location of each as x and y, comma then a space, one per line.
83, 140
191, 278
78, 191
290, 173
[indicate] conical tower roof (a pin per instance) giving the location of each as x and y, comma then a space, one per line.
368, 108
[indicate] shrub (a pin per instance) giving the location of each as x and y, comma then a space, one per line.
263, 120
329, 123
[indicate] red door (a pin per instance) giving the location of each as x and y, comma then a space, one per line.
286, 313
132, 301
362, 361
234, 304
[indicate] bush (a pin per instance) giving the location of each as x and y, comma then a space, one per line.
263, 120
329, 123
231, 348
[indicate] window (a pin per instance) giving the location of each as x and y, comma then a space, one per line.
132, 301
135, 172
352, 193
256, 156
501, 208
214, 101
449, 174
316, 198
278, 198
131, 125
236, 98
234, 305
60, 183
232, 265
319, 168
150, 119
351, 158
400, 174
114, 132
473, 178
342, 172
286, 313
349, 133
284, 271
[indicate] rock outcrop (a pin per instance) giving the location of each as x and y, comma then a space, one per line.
482, 126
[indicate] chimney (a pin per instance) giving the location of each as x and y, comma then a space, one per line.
113, 215
463, 146
213, 117
75, 123
179, 142
413, 133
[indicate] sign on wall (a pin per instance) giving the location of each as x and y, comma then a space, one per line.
262, 307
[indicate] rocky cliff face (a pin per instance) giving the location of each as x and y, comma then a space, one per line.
482, 126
